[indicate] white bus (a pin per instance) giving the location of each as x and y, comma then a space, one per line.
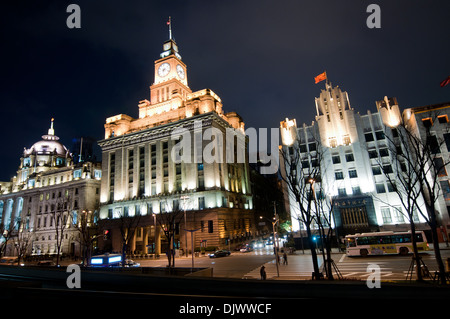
382, 243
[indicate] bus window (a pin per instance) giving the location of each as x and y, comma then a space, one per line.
351, 242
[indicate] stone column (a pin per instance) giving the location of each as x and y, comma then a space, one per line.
145, 239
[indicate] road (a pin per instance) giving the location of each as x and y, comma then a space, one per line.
394, 267
247, 265
237, 265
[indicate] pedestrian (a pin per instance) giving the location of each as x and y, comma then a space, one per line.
262, 272
285, 262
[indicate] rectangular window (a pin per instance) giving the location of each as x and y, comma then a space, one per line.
433, 144
368, 137
391, 186
352, 173
210, 226
201, 203
384, 152
386, 215
356, 190
373, 154
336, 159
387, 169
445, 187
77, 173
427, 122
447, 141
303, 148
439, 167
380, 188
379, 135
443, 119
339, 175
349, 157
398, 215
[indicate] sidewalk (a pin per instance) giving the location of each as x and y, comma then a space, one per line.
299, 267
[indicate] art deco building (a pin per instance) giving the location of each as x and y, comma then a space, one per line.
354, 150
142, 174
47, 181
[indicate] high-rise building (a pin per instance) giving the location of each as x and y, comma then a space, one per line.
174, 158
355, 155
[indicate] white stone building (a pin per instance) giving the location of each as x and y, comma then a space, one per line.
355, 151
47, 181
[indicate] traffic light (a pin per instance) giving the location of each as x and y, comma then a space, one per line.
106, 234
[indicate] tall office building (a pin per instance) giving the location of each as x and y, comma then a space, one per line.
355, 151
172, 158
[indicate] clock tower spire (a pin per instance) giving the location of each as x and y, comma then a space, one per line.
170, 84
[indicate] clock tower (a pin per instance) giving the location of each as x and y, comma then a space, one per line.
170, 75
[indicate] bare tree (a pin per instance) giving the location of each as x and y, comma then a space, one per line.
84, 222
22, 241
302, 170
6, 232
169, 220
402, 173
417, 167
429, 165
127, 226
59, 215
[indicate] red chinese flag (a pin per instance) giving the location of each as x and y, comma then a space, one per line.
321, 77
445, 82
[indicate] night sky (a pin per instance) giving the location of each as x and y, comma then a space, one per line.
260, 57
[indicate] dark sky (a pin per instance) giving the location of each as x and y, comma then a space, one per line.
259, 56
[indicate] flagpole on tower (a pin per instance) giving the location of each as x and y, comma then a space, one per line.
169, 23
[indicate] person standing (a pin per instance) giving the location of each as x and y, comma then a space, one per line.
262, 272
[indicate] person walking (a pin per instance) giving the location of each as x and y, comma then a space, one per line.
262, 272
285, 262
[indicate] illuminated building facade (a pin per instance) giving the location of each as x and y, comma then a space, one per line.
142, 174
354, 150
431, 123
47, 182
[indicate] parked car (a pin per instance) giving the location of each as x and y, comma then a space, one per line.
8, 261
220, 253
46, 263
131, 263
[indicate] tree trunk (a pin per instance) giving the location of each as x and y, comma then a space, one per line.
416, 256
313, 253
437, 254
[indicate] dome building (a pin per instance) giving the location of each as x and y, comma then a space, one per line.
48, 187
42, 156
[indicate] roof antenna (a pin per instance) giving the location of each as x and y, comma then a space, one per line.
169, 23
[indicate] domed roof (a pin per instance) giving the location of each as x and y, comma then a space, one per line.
49, 145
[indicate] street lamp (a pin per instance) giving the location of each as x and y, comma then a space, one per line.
275, 240
185, 225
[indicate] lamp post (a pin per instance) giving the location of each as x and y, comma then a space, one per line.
154, 235
275, 240
185, 224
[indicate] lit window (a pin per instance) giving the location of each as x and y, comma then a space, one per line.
443, 119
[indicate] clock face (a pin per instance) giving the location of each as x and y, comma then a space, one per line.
164, 69
180, 71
